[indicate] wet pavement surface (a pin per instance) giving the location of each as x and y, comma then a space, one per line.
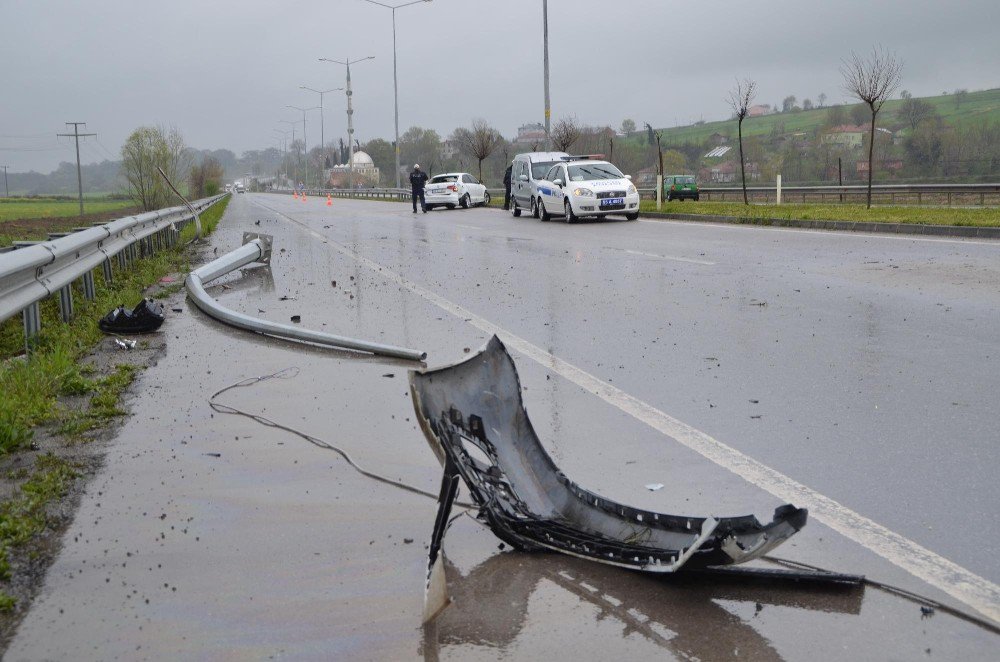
864, 367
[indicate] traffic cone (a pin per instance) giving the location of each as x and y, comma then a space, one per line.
329, 200
295, 194
303, 196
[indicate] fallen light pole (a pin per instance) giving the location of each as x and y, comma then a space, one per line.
257, 248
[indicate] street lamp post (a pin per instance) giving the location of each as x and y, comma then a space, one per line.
284, 148
293, 136
545, 41
305, 143
395, 84
350, 115
322, 132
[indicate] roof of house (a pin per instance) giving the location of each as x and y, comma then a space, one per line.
846, 128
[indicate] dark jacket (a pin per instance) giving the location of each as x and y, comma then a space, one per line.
506, 176
417, 180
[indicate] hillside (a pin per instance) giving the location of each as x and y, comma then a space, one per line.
975, 107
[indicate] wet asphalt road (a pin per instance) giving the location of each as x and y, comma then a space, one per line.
863, 367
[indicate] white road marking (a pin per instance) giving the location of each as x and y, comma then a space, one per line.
670, 257
839, 233
941, 573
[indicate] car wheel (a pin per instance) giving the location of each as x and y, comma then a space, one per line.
486, 198
534, 208
696, 198
450, 206
543, 213
568, 212
465, 201
514, 209
632, 217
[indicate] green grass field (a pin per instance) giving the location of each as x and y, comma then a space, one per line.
982, 217
13, 208
976, 107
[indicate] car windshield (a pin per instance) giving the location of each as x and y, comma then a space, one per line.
685, 180
440, 179
580, 173
538, 170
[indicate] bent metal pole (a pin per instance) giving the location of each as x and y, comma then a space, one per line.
258, 249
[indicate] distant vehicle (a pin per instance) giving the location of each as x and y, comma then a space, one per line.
240, 188
526, 170
229, 188
455, 189
680, 187
586, 188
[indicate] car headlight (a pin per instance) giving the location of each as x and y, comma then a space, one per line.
631, 188
583, 193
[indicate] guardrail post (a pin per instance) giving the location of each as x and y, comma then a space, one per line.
106, 268
89, 291
66, 303
32, 323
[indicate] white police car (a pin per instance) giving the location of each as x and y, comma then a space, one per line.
578, 188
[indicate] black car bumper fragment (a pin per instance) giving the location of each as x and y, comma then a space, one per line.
474, 419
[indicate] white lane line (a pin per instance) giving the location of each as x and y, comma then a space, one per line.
819, 231
963, 585
669, 257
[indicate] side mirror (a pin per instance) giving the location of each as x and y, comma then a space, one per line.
628, 177
522, 178
558, 182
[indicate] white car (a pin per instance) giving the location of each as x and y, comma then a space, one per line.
454, 189
586, 188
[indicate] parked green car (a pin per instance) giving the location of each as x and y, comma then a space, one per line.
680, 187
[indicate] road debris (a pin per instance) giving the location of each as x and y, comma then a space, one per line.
653, 487
146, 317
475, 422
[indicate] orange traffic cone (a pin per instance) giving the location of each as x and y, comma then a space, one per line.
303, 196
329, 200
295, 194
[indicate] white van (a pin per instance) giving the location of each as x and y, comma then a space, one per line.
526, 171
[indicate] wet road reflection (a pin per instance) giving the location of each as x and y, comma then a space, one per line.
683, 615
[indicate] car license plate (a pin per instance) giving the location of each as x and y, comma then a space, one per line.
612, 201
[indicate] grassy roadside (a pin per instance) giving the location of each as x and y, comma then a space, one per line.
36, 386
11, 208
979, 217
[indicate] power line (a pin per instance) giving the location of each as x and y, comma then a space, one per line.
77, 135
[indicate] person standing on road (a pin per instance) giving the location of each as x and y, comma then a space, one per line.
417, 180
506, 186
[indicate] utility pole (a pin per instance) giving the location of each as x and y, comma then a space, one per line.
545, 39
75, 135
293, 139
5, 189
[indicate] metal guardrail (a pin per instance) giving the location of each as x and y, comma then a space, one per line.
372, 193
37, 270
919, 194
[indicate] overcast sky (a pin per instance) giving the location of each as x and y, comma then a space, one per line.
223, 71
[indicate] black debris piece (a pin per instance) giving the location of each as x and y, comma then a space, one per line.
296, 318
474, 419
146, 317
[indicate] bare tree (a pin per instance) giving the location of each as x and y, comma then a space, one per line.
147, 148
478, 142
873, 82
740, 99
565, 133
822, 99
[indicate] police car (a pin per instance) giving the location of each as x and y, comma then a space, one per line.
576, 188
